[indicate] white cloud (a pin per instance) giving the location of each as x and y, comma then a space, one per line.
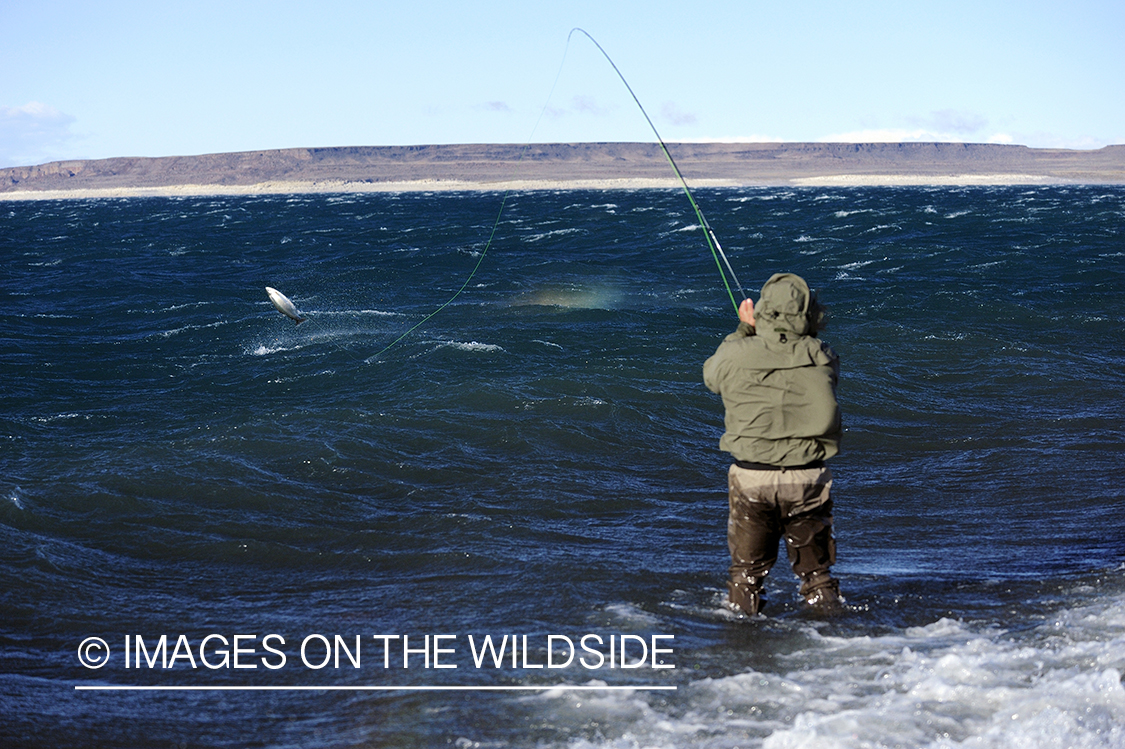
580, 105
33, 134
589, 105
952, 121
960, 126
1040, 139
924, 135
886, 135
675, 115
735, 139
939, 126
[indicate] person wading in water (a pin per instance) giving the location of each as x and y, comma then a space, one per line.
778, 384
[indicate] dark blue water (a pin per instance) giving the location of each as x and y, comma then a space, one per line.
540, 458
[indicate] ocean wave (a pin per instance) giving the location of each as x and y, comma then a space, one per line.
59, 417
474, 346
176, 331
555, 233
177, 307
858, 264
264, 350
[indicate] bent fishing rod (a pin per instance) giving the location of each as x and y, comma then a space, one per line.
708, 232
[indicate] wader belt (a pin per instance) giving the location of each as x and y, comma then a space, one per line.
766, 467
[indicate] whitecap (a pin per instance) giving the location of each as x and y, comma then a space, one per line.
263, 350
857, 264
57, 417
176, 331
549, 234
469, 345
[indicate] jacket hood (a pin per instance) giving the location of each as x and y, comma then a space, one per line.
782, 310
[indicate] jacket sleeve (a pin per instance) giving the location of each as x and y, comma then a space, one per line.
713, 368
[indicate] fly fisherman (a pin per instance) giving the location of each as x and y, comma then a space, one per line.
778, 383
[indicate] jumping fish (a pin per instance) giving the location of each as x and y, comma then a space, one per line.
284, 305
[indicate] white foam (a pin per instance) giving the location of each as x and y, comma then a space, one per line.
858, 264
176, 331
263, 350
631, 615
940, 686
553, 233
469, 345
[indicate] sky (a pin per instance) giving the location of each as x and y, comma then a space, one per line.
84, 80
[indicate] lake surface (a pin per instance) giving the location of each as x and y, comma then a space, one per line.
539, 462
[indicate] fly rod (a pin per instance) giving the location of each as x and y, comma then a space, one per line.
708, 232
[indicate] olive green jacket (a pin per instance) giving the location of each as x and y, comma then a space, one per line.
778, 382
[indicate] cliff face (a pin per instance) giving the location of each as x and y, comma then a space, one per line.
739, 163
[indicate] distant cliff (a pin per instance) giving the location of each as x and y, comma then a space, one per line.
736, 163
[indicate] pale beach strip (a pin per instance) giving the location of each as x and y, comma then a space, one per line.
438, 185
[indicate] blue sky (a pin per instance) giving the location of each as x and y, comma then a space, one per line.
101, 79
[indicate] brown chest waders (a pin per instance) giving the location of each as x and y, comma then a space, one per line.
767, 506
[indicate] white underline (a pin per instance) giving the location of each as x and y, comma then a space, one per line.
569, 687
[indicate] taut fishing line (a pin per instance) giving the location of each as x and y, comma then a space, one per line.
495, 224
708, 233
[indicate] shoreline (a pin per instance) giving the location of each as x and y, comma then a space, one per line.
439, 185
561, 166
